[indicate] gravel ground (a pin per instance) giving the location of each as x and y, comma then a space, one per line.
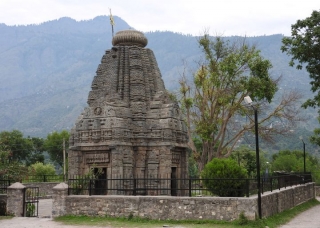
44, 219
23, 222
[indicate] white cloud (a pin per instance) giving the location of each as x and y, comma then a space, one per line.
230, 17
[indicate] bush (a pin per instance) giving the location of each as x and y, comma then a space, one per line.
39, 169
224, 177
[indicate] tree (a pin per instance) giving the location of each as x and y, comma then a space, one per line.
214, 105
39, 169
54, 145
23, 150
11, 169
37, 151
14, 142
246, 158
292, 161
304, 48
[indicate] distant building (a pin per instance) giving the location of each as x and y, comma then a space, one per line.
131, 128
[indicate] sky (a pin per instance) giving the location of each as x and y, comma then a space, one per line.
222, 17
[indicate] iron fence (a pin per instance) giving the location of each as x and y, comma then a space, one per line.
42, 178
182, 187
4, 184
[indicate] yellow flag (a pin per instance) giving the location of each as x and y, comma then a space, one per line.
111, 19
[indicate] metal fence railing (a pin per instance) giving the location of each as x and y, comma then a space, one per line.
4, 184
283, 180
182, 187
43, 178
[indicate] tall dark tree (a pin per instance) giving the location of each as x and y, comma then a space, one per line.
54, 145
23, 150
37, 151
19, 147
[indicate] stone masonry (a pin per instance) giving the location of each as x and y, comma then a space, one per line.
15, 193
131, 127
181, 208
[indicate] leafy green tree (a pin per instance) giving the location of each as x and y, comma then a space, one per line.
213, 102
25, 150
14, 142
37, 151
41, 169
246, 158
293, 161
11, 169
304, 47
227, 170
54, 145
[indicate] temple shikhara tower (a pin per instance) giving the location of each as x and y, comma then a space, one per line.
130, 128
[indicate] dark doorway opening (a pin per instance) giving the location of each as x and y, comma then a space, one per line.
100, 184
174, 181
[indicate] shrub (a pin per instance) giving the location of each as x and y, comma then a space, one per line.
39, 169
224, 177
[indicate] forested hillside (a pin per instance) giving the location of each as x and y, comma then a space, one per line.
46, 70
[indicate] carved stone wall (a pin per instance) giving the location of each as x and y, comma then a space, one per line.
130, 127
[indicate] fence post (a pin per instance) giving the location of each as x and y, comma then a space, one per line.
247, 187
271, 184
190, 187
134, 186
60, 192
90, 187
15, 199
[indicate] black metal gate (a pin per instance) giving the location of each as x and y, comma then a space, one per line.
3, 208
31, 202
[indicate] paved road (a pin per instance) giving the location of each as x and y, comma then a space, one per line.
308, 219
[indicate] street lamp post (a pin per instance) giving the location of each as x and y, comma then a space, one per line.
248, 100
304, 155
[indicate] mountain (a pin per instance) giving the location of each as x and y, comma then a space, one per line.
46, 70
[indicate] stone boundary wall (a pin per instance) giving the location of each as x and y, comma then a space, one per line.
179, 208
286, 198
45, 188
317, 190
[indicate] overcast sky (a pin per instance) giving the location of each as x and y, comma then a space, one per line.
227, 17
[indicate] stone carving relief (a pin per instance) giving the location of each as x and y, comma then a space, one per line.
97, 157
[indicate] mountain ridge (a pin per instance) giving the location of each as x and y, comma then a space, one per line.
46, 70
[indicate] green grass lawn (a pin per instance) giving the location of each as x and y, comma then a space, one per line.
271, 222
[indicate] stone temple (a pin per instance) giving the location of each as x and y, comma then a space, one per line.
130, 128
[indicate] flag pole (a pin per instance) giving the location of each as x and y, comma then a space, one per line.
111, 22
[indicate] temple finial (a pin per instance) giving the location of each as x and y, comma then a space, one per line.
111, 21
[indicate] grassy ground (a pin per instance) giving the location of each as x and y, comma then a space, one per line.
271, 222
5, 217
